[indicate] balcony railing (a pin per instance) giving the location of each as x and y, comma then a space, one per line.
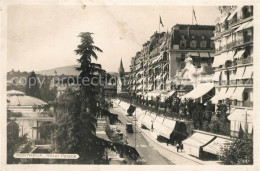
242, 41
234, 82
245, 82
247, 60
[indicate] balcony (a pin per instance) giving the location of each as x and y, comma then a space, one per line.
245, 82
248, 60
247, 104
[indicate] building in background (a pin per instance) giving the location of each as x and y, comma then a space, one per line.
155, 69
30, 118
233, 63
122, 80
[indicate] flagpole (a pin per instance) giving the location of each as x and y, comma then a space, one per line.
192, 14
159, 23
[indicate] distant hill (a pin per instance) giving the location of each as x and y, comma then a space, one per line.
66, 70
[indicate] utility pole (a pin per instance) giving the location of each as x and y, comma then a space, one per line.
246, 127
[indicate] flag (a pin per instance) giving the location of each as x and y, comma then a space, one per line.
194, 14
161, 21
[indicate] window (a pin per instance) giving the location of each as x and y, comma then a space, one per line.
193, 44
245, 98
228, 77
212, 45
203, 44
183, 43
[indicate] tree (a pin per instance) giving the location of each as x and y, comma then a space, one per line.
14, 142
239, 152
219, 123
76, 110
32, 86
46, 93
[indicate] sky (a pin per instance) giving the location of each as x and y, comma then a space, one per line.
41, 37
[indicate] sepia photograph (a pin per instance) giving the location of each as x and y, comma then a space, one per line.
127, 84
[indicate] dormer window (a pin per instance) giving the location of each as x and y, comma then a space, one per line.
203, 44
193, 44
183, 43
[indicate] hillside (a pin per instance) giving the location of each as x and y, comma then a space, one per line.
66, 70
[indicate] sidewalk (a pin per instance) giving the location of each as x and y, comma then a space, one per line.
153, 136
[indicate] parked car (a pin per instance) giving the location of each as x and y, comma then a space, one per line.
129, 127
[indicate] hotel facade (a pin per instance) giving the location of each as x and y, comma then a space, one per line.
155, 69
233, 64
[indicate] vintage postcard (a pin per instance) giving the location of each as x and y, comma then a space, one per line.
88, 84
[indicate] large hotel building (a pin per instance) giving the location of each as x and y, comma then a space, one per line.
233, 63
202, 62
162, 58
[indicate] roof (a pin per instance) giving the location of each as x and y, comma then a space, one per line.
17, 98
15, 92
195, 27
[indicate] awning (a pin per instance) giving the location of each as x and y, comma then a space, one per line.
219, 96
248, 72
156, 59
239, 54
223, 19
250, 24
158, 123
204, 55
215, 146
147, 120
241, 118
241, 115
170, 93
167, 128
164, 75
150, 86
139, 93
241, 27
138, 67
216, 75
238, 94
192, 144
229, 92
219, 60
140, 72
230, 55
139, 87
140, 80
240, 72
199, 91
234, 12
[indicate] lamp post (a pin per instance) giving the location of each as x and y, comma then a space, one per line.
246, 115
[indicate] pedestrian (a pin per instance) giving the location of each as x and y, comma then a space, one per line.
168, 142
181, 146
178, 147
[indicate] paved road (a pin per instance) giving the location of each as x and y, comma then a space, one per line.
146, 150
150, 151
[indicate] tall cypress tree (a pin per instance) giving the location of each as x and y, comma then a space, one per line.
32, 86
76, 110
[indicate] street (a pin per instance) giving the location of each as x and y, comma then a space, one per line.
151, 152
